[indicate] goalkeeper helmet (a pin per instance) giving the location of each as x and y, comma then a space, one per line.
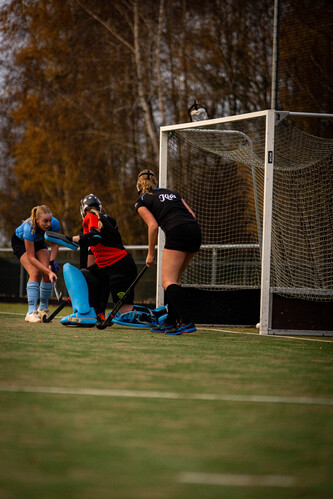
88, 202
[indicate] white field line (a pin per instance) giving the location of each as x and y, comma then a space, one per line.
12, 313
266, 335
237, 480
168, 395
225, 331
23, 315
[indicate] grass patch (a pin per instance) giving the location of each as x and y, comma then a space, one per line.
71, 445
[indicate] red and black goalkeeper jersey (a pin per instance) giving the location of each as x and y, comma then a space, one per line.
105, 244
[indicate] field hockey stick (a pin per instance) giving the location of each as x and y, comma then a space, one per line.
108, 322
57, 310
58, 295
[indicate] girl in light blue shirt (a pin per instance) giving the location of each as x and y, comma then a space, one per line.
30, 248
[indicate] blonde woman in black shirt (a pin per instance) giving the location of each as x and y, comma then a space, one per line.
165, 208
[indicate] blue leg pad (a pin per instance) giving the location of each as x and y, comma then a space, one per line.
133, 319
77, 288
162, 319
157, 315
141, 317
83, 315
160, 314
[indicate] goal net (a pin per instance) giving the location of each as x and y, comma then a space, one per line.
302, 221
220, 169
219, 172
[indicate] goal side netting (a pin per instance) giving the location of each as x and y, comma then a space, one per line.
302, 221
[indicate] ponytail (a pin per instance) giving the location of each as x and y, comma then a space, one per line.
97, 213
146, 181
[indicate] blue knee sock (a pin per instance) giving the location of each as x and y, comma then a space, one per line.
32, 294
45, 291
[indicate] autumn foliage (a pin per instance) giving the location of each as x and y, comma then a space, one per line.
86, 86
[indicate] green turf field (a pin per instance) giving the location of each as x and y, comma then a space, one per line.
125, 413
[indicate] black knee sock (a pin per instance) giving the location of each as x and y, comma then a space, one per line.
177, 296
172, 314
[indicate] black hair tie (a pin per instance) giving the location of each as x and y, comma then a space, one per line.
148, 173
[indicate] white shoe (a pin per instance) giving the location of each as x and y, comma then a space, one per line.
33, 317
44, 311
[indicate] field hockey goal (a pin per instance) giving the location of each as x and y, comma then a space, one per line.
261, 187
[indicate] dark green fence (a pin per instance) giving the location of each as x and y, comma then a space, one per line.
13, 278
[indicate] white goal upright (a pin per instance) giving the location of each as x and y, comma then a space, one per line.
262, 191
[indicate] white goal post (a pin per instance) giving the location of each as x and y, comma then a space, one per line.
262, 190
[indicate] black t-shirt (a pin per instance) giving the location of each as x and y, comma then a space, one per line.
167, 207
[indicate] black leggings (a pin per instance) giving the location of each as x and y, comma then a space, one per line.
114, 279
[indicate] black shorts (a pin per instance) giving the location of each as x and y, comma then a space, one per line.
19, 246
117, 278
184, 237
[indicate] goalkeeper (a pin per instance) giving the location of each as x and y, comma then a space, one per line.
113, 269
166, 209
106, 267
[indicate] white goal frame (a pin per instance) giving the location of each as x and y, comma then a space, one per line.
272, 117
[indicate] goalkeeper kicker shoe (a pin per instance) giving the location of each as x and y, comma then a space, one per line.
181, 328
33, 317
